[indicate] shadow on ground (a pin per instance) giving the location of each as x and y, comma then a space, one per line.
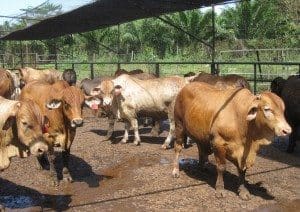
19, 197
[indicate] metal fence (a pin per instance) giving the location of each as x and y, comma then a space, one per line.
259, 74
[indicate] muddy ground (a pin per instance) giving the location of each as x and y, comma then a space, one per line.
124, 177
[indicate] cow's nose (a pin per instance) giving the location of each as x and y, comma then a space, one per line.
287, 130
38, 148
77, 122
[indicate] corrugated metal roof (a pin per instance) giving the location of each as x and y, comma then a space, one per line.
101, 14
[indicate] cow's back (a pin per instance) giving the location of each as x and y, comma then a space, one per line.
151, 94
6, 84
204, 109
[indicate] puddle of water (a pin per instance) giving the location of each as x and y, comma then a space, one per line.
164, 161
188, 162
17, 201
291, 206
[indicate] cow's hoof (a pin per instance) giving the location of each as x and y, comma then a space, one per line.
137, 143
244, 194
68, 179
220, 193
175, 173
123, 141
66, 175
55, 183
165, 146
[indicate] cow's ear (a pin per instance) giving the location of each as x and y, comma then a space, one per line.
252, 111
118, 90
8, 123
23, 71
53, 104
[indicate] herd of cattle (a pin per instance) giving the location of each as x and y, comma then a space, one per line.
41, 109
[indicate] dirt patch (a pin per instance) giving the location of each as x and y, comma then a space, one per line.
121, 177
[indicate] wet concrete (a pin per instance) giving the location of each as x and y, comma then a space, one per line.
125, 177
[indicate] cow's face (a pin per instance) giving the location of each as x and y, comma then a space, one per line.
269, 115
30, 123
73, 100
93, 102
105, 91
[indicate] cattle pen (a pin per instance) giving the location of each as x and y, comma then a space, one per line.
110, 175
252, 71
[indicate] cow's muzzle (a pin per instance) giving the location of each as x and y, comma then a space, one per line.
76, 122
38, 147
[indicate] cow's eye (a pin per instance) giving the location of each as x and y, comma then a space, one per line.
24, 123
267, 109
67, 106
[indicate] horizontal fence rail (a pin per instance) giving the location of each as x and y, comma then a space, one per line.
258, 75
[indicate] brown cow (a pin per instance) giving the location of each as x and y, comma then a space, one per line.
220, 124
47, 75
20, 129
63, 121
7, 86
223, 82
123, 71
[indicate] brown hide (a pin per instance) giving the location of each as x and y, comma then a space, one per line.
223, 82
67, 115
47, 75
123, 71
6, 84
230, 123
20, 129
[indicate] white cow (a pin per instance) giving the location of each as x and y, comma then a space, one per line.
130, 98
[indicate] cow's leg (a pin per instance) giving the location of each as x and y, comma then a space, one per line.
66, 173
292, 140
180, 134
53, 174
168, 140
135, 126
203, 156
155, 127
111, 126
125, 137
242, 190
220, 154
40, 162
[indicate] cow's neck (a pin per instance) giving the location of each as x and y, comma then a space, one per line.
256, 137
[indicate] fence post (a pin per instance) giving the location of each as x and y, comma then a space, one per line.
35, 60
118, 66
255, 78
157, 69
3, 65
92, 70
73, 66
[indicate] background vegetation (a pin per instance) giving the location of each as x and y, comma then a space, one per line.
252, 24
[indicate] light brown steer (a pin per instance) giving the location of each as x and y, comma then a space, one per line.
223, 82
61, 129
28, 74
231, 123
6, 84
20, 130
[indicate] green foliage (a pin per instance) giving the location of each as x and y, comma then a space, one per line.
248, 24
